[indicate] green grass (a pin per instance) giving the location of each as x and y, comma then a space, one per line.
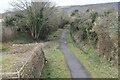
96, 66
55, 67
4, 46
55, 36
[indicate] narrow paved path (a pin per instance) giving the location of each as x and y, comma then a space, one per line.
76, 68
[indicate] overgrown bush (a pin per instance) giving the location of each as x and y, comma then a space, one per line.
99, 30
106, 27
84, 22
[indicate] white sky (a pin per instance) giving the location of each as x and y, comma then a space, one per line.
5, 4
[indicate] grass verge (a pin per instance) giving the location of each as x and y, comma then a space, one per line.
96, 66
55, 67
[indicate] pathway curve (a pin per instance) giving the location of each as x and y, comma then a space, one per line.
75, 67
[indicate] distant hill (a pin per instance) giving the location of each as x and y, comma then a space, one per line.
96, 7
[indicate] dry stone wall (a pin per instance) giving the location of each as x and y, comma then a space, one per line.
33, 64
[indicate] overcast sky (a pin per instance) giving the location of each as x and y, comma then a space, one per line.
5, 4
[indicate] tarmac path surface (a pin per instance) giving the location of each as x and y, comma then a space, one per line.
75, 67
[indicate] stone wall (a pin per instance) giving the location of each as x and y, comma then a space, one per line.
33, 63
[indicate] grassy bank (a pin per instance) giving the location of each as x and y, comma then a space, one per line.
96, 66
55, 66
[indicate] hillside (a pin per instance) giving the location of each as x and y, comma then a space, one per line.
97, 7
